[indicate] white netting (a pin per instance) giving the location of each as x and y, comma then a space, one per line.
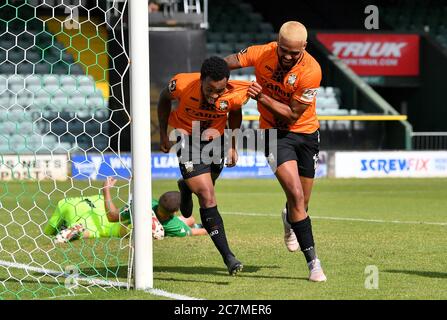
62, 65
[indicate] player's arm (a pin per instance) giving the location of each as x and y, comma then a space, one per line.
245, 58
234, 123
233, 61
49, 230
113, 213
288, 113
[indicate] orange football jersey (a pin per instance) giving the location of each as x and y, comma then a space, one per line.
300, 83
186, 88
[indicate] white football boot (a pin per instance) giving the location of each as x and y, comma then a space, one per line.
316, 273
289, 235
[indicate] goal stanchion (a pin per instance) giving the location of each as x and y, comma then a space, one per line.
141, 143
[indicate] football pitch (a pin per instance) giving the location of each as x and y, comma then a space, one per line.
398, 226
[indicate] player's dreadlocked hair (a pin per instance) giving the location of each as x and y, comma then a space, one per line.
216, 68
170, 201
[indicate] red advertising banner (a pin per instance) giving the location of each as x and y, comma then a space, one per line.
375, 54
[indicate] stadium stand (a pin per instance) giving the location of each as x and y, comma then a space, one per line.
46, 93
234, 25
418, 16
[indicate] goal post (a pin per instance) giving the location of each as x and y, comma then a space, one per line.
141, 142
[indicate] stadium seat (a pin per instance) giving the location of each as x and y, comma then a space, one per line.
42, 99
101, 142
247, 37
211, 47
8, 128
23, 99
214, 37
238, 46
25, 40
33, 83
51, 82
58, 127
42, 68
255, 18
266, 27
76, 101
230, 37
61, 68
7, 68
225, 47
101, 115
251, 28
7, 44
261, 38
76, 69
15, 55
25, 67
49, 141
245, 7
96, 101
4, 100
34, 142
63, 148
236, 27
16, 114
25, 127
69, 89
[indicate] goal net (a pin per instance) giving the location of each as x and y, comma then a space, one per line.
58, 132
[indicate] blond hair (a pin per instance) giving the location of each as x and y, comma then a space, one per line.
293, 31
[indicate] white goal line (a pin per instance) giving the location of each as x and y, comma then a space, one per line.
93, 281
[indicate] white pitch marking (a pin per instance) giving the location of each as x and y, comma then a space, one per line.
154, 291
341, 218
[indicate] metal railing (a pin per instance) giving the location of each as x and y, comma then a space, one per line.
429, 140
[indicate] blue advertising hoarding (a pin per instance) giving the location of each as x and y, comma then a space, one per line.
165, 166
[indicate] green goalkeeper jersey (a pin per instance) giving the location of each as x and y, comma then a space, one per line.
174, 227
91, 213
88, 211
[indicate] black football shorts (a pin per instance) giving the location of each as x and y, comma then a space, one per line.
301, 147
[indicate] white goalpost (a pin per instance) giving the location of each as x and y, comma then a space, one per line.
141, 143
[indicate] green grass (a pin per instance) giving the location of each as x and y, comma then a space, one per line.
410, 257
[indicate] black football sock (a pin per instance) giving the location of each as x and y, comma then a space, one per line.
213, 223
186, 203
303, 232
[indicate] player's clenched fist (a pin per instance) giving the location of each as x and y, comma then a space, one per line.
254, 90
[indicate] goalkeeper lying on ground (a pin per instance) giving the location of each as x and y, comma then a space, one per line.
97, 216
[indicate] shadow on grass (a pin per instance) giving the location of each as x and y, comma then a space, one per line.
428, 274
247, 272
190, 280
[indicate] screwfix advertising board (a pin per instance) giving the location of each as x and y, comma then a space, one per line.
375, 54
408, 164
